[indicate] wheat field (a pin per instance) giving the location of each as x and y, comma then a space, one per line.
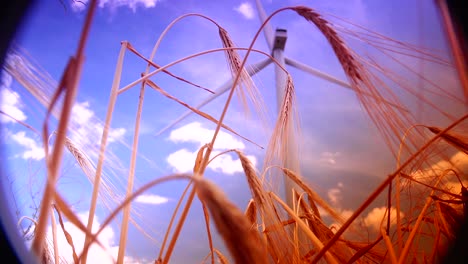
425, 195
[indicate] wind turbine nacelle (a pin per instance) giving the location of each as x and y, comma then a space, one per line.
280, 39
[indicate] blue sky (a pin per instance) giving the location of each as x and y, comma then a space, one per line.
341, 151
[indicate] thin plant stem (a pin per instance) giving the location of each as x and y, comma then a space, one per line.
54, 237
131, 177
389, 245
104, 138
208, 232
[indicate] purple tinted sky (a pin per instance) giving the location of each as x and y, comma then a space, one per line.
341, 151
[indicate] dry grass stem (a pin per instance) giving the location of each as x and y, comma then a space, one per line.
131, 177
208, 232
54, 238
102, 148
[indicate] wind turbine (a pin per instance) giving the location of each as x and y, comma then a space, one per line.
276, 41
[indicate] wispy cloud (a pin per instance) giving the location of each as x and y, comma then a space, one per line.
183, 160
335, 194
246, 10
88, 129
329, 157
151, 199
10, 101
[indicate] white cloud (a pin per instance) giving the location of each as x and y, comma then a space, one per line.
81, 113
96, 254
246, 10
195, 133
334, 195
151, 199
226, 164
33, 149
183, 161
375, 217
458, 162
116, 134
132, 4
79, 6
10, 101
329, 157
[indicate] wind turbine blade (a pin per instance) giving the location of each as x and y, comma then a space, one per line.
308, 69
268, 29
251, 70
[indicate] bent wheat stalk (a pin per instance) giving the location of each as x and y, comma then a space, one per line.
72, 76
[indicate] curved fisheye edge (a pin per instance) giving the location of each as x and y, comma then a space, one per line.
14, 250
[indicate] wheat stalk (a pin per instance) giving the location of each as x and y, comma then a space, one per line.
279, 243
243, 242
